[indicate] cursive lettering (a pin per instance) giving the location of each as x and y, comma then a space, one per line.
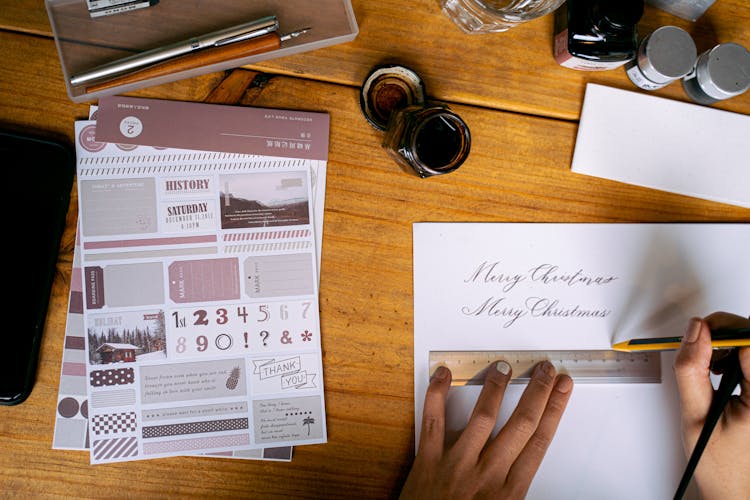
541, 307
486, 273
495, 308
548, 274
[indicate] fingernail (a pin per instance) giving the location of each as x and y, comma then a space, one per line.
692, 332
545, 369
440, 373
564, 385
503, 367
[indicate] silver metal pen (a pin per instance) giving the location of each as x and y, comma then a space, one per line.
237, 33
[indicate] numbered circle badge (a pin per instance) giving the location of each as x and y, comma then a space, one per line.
130, 127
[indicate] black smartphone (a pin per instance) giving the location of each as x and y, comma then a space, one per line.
37, 176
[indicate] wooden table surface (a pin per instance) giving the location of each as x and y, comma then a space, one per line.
522, 109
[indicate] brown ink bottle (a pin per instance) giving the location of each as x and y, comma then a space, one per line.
423, 139
596, 35
427, 141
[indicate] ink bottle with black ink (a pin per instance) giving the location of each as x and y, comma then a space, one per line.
596, 35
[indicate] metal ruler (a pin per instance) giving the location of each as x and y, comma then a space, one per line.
596, 367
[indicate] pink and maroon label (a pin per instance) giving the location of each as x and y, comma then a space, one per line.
94, 281
212, 127
204, 280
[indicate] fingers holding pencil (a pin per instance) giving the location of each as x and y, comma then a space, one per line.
723, 457
692, 367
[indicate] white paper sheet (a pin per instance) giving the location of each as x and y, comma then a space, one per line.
491, 286
664, 144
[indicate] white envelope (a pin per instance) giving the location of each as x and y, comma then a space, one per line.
664, 144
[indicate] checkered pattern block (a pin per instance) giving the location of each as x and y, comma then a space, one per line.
113, 423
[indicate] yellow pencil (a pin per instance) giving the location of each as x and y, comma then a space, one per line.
721, 338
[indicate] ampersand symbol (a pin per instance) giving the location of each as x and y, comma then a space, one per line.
285, 338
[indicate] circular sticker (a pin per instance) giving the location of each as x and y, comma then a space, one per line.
223, 341
130, 126
87, 139
67, 407
127, 147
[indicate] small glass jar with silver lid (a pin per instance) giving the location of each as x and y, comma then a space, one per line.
664, 56
719, 73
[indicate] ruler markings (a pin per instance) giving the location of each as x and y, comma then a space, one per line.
586, 366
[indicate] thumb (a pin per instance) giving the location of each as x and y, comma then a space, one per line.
692, 368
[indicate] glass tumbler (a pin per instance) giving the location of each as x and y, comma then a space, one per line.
489, 16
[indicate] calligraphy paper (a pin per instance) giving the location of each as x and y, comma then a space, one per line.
489, 286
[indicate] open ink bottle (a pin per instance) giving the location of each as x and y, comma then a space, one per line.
423, 140
427, 140
596, 35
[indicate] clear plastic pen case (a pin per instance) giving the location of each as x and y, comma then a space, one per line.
84, 42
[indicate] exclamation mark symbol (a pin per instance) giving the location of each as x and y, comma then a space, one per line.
245, 334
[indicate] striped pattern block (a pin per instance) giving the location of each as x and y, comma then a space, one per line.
269, 235
186, 445
111, 165
108, 449
124, 397
268, 247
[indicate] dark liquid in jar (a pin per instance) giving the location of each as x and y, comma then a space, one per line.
438, 142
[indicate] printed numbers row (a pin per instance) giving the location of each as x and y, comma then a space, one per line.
241, 314
257, 341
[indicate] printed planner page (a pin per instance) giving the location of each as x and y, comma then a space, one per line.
71, 422
199, 303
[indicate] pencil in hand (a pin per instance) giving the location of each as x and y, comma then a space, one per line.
720, 338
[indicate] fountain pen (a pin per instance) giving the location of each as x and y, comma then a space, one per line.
216, 39
214, 55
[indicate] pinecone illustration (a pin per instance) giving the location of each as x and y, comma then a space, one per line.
234, 377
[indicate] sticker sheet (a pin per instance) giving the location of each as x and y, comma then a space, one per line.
71, 423
199, 298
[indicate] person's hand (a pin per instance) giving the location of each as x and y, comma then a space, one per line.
477, 466
724, 468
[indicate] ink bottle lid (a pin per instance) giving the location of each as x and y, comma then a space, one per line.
664, 56
719, 73
387, 88
427, 141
